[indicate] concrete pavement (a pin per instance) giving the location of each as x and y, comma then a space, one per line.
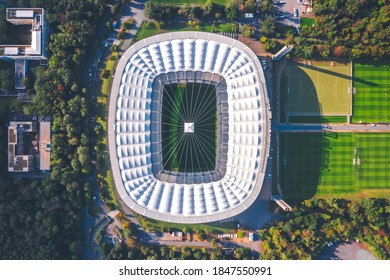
135, 10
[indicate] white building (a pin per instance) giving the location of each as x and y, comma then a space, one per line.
35, 17
21, 54
135, 152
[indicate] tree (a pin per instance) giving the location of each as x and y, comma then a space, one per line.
201, 235
198, 255
217, 254
338, 51
232, 10
7, 79
268, 27
266, 7
209, 8
185, 10
128, 23
242, 253
160, 11
248, 31
250, 6
84, 158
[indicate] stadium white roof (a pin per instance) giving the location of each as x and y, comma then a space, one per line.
129, 127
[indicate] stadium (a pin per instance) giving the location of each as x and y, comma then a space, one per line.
188, 127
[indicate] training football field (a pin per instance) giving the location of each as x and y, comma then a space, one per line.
318, 89
335, 164
371, 102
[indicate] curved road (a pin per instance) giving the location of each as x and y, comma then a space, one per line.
91, 73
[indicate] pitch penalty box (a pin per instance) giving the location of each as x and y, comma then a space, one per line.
318, 90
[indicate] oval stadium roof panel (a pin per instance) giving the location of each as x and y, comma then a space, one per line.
182, 57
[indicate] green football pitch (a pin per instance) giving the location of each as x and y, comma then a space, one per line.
321, 89
335, 164
193, 151
371, 102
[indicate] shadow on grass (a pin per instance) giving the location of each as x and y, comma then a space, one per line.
301, 157
337, 74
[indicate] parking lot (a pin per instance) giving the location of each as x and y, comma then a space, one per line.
285, 11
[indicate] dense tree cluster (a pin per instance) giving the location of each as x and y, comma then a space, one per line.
155, 252
346, 29
6, 76
160, 11
209, 10
318, 221
43, 219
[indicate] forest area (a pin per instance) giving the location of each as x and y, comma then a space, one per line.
315, 222
41, 219
346, 29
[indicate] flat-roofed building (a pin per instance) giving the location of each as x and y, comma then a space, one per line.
27, 16
28, 147
44, 146
18, 159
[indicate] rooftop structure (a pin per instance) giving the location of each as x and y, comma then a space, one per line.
19, 159
44, 146
205, 73
27, 16
285, 50
24, 142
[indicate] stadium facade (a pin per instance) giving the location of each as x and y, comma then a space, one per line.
136, 139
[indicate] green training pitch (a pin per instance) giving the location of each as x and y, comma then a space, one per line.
336, 164
371, 102
193, 151
321, 89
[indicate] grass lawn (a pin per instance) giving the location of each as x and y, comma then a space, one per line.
320, 89
148, 29
105, 180
307, 21
180, 2
110, 64
154, 225
371, 103
337, 164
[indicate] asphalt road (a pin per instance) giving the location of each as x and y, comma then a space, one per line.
136, 10
91, 80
